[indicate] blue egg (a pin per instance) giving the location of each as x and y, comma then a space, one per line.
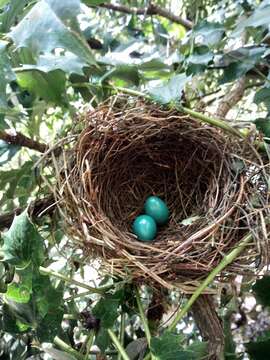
157, 209
145, 228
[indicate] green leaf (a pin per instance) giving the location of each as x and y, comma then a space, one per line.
263, 125
260, 17
22, 242
167, 347
69, 63
263, 96
170, 91
103, 339
49, 86
262, 290
208, 33
106, 310
6, 73
18, 183
259, 350
52, 24
11, 14
20, 289
3, 3
7, 151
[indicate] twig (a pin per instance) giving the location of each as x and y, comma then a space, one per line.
152, 9
232, 97
22, 140
44, 206
69, 280
225, 262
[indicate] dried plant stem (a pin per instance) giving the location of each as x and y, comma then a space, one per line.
226, 261
57, 275
118, 345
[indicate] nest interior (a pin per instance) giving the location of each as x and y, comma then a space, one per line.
214, 185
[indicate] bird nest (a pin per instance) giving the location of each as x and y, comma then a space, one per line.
215, 186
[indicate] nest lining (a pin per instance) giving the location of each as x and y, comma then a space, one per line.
130, 150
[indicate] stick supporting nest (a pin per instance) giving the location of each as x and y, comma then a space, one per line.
214, 185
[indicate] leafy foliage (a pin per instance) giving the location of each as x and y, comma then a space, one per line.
55, 56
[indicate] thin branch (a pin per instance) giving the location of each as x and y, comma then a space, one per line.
44, 206
232, 98
152, 9
22, 140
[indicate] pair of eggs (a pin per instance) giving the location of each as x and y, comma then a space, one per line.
156, 213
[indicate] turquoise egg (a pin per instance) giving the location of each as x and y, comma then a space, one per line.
145, 228
157, 209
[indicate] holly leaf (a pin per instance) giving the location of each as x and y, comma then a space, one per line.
22, 242
49, 86
20, 289
208, 33
259, 349
69, 63
261, 288
260, 17
263, 96
263, 125
170, 91
106, 310
167, 347
6, 74
52, 24
7, 151
11, 13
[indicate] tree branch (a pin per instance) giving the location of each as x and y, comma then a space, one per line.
210, 325
232, 98
22, 140
44, 206
150, 10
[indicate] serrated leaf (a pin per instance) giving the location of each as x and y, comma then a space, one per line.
263, 95
208, 33
170, 91
106, 310
263, 125
11, 13
20, 289
69, 63
21, 241
6, 74
260, 17
167, 347
103, 339
49, 86
52, 24
259, 349
7, 151
262, 290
